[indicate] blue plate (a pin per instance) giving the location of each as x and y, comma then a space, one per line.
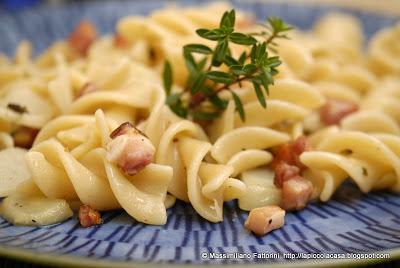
351, 223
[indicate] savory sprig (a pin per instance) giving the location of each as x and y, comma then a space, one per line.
212, 71
274, 28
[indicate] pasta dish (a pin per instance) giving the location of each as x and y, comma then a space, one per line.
203, 105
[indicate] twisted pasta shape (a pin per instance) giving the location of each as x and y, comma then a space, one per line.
370, 162
165, 32
81, 170
244, 145
383, 51
379, 110
184, 146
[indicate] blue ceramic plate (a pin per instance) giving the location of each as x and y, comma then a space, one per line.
350, 223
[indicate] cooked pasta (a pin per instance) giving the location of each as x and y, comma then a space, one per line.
367, 160
82, 109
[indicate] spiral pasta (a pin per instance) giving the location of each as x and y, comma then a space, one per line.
366, 159
165, 31
184, 146
383, 51
83, 172
243, 145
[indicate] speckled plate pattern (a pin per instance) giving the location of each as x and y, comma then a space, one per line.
350, 223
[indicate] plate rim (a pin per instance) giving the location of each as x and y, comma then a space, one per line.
392, 8
76, 261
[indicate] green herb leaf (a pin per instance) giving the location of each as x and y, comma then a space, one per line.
180, 110
202, 32
190, 62
237, 69
220, 53
198, 48
261, 51
267, 75
274, 28
167, 75
207, 90
261, 79
239, 105
273, 62
173, 99
202, 64
228, 19
198, 83
230, 61
242, 39
214, 35
175, 104
243, 58
253, 53
207, 116
249, 69
278, 25
220, 77
274, 71
218, 102
260, 95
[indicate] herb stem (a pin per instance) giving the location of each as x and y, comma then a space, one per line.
272, 37
198, 100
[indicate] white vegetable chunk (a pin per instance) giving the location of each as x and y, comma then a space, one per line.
261, 190
34, 210
13, 170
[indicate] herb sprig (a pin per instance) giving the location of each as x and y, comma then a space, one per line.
212, 71
275, 28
